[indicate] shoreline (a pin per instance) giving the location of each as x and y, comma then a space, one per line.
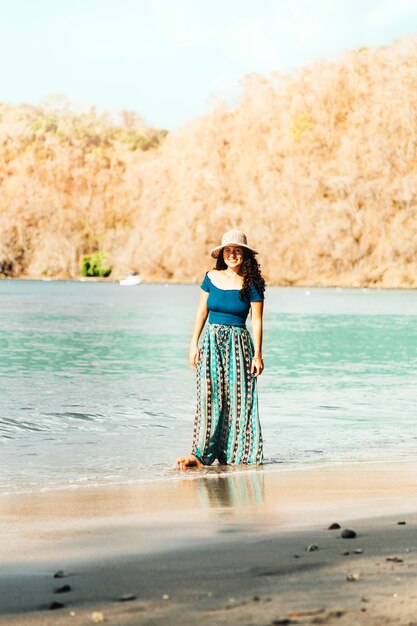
271, 495
215, 471
228, 534
190, 283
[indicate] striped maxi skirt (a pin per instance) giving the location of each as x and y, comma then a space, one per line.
226, 424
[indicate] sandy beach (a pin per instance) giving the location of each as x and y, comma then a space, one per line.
219, 547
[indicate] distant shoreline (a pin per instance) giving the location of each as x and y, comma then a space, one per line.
197, 283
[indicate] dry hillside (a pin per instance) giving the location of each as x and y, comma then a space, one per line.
319, 167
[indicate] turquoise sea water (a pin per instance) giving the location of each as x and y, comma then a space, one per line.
95, 387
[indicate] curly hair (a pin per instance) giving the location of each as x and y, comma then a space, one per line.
251, 272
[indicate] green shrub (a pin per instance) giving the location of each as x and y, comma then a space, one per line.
92, 265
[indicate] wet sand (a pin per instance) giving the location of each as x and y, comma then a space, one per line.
219, 547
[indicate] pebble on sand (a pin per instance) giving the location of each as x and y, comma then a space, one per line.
55, 605
59, 574
127, 597
401, 523
347, 533
312, 547
334, 526
353, 577
97, 617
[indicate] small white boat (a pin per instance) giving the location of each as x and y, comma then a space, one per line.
130, 280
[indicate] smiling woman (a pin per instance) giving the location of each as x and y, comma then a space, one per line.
226, 426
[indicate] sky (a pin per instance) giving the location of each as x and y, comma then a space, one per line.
169, 60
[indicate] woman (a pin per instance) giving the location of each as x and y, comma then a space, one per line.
226, 425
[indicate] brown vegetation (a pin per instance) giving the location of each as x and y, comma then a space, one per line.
319, 168
69, 185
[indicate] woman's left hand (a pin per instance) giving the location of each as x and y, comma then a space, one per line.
257, 366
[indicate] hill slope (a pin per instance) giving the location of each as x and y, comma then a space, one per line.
319, 168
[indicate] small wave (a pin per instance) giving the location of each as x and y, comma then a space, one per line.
8, 424
329, 407
89, 417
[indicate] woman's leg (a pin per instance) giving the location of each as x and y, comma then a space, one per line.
242, 437
208, 418
210, 380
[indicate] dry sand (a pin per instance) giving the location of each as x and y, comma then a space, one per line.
217, 547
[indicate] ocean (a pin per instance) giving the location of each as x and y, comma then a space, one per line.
95, 387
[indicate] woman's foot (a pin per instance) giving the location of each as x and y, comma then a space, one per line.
188, 461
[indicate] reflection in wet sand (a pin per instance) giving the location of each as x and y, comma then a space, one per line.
232, 491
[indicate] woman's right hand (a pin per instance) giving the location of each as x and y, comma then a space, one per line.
193, 355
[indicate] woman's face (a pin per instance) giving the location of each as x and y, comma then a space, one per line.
233, 256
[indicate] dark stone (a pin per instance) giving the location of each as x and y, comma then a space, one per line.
59, 574
346, 553
348, 534
401, 523
312, 547
127, 597
63, 589
296, 556
334, 526
55, 605
256, 598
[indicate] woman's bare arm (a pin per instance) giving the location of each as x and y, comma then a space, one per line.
257, 365
200, 320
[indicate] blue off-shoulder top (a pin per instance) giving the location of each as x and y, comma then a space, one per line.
225, 305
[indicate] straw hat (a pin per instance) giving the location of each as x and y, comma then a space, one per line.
232, 238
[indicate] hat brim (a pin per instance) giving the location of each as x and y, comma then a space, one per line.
216, 251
